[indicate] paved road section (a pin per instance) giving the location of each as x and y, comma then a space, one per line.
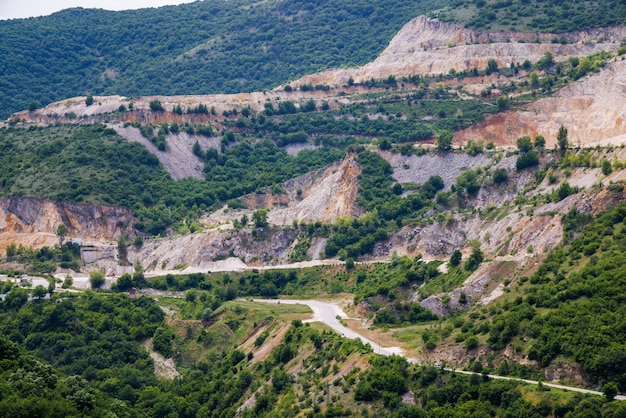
331, 314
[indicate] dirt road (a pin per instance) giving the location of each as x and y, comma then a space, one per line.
330, 314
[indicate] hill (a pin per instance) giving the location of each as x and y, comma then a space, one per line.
447, 193
198, 48
236, 46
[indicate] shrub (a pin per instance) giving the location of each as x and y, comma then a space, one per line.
455, 258
500, 175
527, 160
156, 106
96, 278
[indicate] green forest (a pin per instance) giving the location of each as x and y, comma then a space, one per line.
236, 46
85, 355
198, 48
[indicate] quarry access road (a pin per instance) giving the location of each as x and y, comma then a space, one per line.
331, 314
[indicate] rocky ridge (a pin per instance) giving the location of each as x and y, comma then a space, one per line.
429, 47
592, 109
33, 222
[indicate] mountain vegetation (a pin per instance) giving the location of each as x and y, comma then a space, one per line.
227, 47
194, 343
198, 48
92, 164
82, 355
539, 16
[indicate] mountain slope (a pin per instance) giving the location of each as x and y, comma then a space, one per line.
593, 110
198, 48
427, 46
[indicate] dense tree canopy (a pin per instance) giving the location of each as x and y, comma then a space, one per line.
198, 48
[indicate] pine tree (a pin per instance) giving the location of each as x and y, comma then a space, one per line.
561, 140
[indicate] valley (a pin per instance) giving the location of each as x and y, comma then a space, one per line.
461, 196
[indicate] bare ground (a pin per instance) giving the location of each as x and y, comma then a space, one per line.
178, 159
163, 368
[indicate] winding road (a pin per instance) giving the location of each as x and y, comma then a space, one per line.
331, 314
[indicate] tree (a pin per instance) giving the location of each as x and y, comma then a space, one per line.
39, 292
122, 250
156, 106
561, 139
11, 250
206, 314
492, 66
197, 150
471, 342
444, 140
540, 141
524, 144
546, 62
162, 341
455, 258
96, 278
527, 160
62, 234
89, 100
33, 106
610, 390
475, 258
462, 298
534, 80
500, 175
606, 167
349, 263
259, 218
68, 282
124, 283
503, 103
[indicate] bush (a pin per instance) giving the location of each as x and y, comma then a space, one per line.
96, 278
527, 160
162, 341
455, 258
524, 144
500, 175
156, 106
471, 342
474, 260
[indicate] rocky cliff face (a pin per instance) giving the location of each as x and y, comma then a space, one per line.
216, 250
33, 222
427, 46
592, 109
326, 198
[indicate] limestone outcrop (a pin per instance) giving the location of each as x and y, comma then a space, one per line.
34, 222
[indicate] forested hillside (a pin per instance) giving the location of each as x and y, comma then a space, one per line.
234, 46
86, 356
198, 48
452, 213
92, 164
536, 15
